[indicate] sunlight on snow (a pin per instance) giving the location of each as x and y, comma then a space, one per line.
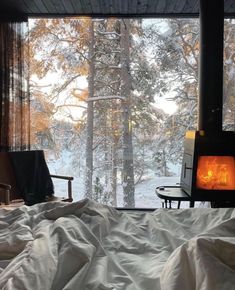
169, 107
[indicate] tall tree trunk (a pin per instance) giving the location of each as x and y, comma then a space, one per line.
114, 152
114, 174
128, 169
90, 116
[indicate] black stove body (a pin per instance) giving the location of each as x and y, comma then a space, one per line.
208, 169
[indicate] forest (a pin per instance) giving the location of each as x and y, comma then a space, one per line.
97, 86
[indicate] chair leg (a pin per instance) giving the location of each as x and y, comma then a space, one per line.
6, 193
7, 197
70, 190
179, 202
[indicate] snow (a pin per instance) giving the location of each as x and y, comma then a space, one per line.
145, 196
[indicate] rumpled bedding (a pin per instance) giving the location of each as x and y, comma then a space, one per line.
89, 246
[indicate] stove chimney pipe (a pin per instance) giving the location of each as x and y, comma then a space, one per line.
211, 66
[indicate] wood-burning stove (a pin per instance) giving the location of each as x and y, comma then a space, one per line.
208, 169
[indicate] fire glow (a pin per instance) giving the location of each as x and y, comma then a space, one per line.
216, 172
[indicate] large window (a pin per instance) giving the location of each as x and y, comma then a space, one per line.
113, 98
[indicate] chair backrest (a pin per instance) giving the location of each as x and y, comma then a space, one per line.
32, 175
7, 175
28, 174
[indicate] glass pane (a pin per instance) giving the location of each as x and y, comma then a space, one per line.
111, 102
229, 75
216, 172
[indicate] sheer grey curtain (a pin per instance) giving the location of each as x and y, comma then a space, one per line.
14, 92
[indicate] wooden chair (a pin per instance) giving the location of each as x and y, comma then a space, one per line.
25, 175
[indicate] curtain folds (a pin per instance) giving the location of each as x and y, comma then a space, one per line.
14, 91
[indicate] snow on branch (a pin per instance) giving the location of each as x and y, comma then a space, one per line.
68, 105
108, 33
101, 98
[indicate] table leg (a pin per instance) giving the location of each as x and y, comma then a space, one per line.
165, 203
191, 203
169, 203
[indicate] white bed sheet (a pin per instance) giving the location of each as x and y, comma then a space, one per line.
88, 246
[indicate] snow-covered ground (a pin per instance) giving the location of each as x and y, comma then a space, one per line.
145, 196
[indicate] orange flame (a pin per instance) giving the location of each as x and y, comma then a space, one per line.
216, 172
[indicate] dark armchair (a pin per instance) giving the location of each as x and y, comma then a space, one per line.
25, 175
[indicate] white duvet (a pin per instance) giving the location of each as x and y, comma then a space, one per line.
88, 246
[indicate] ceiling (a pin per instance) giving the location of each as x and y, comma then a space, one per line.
99, 8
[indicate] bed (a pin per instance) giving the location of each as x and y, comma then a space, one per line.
89, 246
